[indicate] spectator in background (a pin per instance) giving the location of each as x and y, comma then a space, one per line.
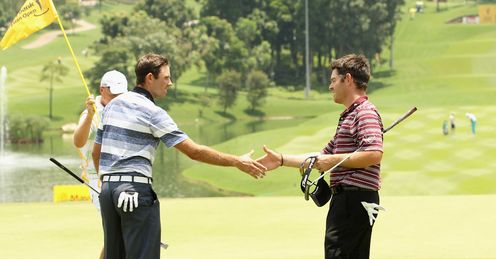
473, 121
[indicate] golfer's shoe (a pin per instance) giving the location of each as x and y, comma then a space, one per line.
372, 209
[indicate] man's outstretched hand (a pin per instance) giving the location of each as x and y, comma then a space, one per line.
271, 160
250, 166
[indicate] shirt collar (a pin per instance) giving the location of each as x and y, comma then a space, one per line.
144, 92
355, 104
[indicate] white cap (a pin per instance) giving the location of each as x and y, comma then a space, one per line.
114, 80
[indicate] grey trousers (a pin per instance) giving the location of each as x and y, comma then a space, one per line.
130, 235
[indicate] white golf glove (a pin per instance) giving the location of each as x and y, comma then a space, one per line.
372, 209
128, 198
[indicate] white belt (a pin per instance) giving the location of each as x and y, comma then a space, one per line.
126, 178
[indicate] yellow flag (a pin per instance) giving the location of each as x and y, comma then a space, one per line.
33, 16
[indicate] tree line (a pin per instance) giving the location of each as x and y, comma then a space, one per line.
234, 39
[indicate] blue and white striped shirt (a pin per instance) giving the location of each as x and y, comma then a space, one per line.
130, 131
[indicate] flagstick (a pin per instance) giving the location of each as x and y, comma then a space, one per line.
73, 56
75, 61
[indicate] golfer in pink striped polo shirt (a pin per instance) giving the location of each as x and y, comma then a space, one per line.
357, 180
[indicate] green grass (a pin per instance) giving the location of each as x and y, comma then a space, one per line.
440, 227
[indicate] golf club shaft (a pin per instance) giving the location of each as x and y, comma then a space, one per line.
61, 166
402, 118
72, 174
334, 167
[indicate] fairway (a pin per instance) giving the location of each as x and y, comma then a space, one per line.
417, 227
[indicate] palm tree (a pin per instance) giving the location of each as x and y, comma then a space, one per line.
53, 71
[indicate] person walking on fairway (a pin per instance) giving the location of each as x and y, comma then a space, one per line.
131, 128
348, 226
473, 121
112, 84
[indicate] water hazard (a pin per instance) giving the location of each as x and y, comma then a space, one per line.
26, 174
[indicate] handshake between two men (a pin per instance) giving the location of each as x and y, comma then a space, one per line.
271, 160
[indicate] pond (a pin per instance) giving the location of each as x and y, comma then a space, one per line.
26, 174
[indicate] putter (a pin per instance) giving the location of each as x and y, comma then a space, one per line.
61, 166
306, 183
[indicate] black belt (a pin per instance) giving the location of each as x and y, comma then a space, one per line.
341, 188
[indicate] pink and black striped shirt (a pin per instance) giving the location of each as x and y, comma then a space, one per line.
359, 126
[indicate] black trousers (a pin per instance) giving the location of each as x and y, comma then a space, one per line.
348, 230
130, 235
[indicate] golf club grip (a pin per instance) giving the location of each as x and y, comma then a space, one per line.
402, 118
67, 170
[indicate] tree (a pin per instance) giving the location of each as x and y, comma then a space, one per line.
256, 83
115, 58
70, 12
228, 83
113, 26
8, 9
129, 36
229, 10
260, 58
53, 71
227, 52
173, 12
394, 15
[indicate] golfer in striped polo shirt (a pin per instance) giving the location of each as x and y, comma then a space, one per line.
132, 126
357, 180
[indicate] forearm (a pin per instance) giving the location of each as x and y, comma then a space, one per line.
211, 156
357, 160
294, 160
82, 132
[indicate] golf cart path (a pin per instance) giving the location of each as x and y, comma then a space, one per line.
48, 37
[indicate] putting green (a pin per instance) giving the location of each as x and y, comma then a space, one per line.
259, 227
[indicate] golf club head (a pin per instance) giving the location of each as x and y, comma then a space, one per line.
322, 193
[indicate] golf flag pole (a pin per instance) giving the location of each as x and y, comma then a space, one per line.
73, 55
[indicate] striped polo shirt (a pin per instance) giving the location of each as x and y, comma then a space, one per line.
360, 125
132, 126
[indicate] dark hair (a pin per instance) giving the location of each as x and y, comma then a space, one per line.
356, 65
149, 63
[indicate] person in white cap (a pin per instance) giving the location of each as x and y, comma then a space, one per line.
112, 84
473, 121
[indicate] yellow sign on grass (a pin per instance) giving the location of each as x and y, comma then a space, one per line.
77, 192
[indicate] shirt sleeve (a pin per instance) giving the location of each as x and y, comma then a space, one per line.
165, 128
368, 126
